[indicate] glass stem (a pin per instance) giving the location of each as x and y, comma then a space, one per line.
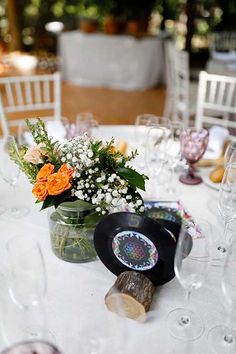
185, 319
222, 248
13, 187
187, 297
170, 183
228, 337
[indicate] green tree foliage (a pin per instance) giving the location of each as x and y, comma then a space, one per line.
209, 15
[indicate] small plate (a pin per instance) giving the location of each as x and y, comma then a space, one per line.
208, 182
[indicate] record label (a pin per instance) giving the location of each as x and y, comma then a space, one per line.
135, 250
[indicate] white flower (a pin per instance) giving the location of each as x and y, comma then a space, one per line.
115, 193
34, 155
108, 198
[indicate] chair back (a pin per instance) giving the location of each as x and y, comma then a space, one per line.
177, 84
223, 42
29, 93
216, 102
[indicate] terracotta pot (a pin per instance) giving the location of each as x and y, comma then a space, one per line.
137, 27
88, 25
133, 27
112, 25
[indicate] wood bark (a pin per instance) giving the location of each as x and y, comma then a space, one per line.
131, 295
14, 22
190, 12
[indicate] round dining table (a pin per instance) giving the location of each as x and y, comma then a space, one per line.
77, 318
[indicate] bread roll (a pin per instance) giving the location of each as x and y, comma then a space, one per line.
217, 174
122, 147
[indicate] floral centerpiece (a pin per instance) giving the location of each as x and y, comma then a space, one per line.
89, 173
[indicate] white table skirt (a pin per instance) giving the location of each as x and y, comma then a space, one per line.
120, 62
218, 67
75, 294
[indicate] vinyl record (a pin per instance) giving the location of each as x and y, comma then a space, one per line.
128, 241
167, 217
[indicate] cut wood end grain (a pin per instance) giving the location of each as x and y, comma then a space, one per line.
131, 295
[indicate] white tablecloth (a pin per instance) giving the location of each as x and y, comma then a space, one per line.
75, 294
214, 66
120, 62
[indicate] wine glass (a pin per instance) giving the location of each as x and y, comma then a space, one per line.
222, 338
230, 153
193, 145
141, 127
85, 122
155, 152
26, 282
173, 153
142, 122
32, 347
192, 259
227, 201
229, 157
10, 172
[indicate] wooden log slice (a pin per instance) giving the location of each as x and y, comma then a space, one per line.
131, 295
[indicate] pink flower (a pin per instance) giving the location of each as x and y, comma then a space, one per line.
34, 154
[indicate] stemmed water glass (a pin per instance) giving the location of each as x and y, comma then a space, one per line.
192, 259
193, 145
10, 172
173, 153
227, 201
222, 338
85, 122
26, 282
230, 153
142, 124
155, 152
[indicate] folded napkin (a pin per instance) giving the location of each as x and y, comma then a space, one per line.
56, 130
217, 138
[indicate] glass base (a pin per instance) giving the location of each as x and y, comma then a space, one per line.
2, 209
185, 324
18, 212
222, 340
190, 179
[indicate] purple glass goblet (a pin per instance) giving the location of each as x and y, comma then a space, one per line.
193, 145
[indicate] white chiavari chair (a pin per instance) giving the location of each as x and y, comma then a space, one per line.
216, 102
222, 42
177, 84
29, 93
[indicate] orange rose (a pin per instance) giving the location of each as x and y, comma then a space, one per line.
57, 183
40, 191
45, 172
67, 169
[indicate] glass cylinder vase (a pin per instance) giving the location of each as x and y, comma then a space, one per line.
72, 226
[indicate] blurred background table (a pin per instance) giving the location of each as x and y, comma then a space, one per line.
121, 62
